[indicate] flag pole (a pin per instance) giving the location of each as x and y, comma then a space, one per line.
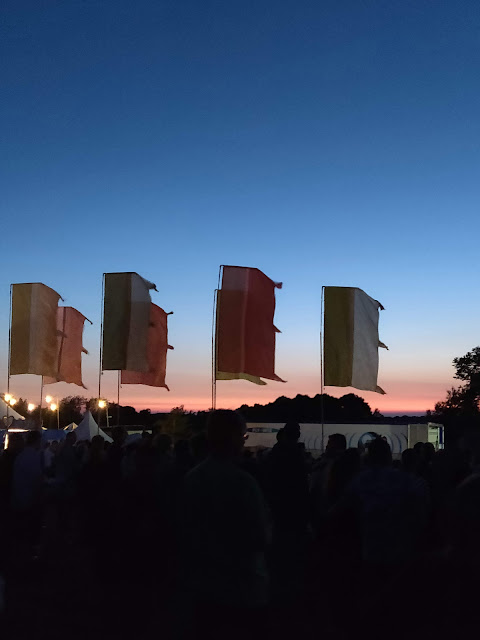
214, 340
9, 348
214, 351
41, 401
101, 349
118, 398
322, 403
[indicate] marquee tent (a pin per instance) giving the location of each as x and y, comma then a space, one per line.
11, 412
89, 428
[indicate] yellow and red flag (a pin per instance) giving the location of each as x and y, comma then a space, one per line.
245, 333
351, 339
126, 320
157, 347
69, 347
33, 346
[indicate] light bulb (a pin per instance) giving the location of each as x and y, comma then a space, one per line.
53, 406
13, 401
102, 404
31, 407
48, 399
7, 397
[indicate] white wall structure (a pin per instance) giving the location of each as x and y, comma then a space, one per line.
397, 435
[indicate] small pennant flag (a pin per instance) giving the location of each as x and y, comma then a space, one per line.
33, 347
351, 339
69, 347
157, 347
126, 319
245, 333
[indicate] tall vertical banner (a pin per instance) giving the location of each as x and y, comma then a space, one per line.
69, 347
157, 347
126, 321
351, 339
245, 333
33, 345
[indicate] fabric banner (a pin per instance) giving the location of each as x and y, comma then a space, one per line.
245, 333
351, 339
69, 347
126, 319
157, 347
33, 347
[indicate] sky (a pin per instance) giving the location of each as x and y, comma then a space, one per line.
325, 143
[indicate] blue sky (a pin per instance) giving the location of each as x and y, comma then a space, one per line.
332, 143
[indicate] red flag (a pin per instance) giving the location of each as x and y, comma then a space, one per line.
157, 346
245, 339
69, 347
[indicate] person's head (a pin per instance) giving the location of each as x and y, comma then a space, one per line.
15, 442
34, 439
343, 469
119, 435
419, 448
71, 439
291, 432
181, 448
337, 444
97, 445
226, 433
163, 443
280, 435
379, 453
54, 446
409, 460
199, 446
429, 451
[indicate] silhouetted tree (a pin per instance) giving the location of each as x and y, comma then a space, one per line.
176, 423
462, 402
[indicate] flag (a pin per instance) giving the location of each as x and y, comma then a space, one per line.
157, 346
126, 318
245, 333
69, 347
351, 339
33, 345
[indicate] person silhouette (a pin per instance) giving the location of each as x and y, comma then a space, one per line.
225, 532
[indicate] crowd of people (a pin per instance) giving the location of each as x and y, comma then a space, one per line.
236, 543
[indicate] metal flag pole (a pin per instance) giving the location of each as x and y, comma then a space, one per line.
41, 401
214, 340
322, 403
101, 349
214, 351
118, 398
9, 349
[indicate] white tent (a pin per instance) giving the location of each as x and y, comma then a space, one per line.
89, 428
71, 426
11, 411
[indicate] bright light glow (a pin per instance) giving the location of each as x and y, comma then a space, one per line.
31, 406
53, 406
102, 404
12, 401
48, 399
7, 397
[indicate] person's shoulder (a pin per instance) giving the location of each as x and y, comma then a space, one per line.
225, 470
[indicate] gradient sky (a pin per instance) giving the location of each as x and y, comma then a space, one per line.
326, 143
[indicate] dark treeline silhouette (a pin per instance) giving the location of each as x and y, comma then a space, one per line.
303, 408
349, 408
